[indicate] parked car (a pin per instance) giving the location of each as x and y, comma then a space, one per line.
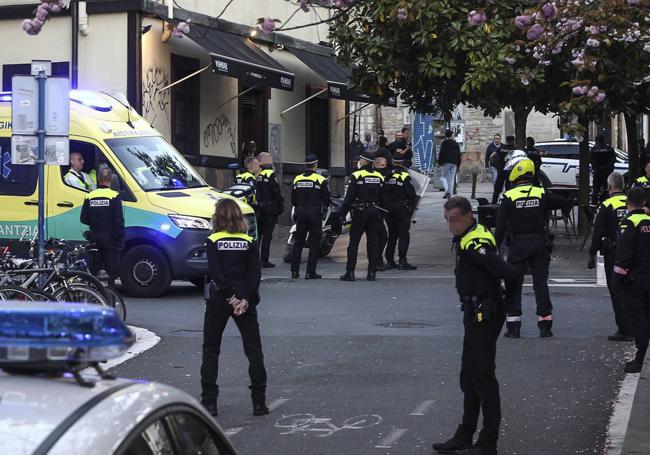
561, 162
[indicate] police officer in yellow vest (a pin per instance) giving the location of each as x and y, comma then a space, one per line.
102, 211
75, 176
632, 269
310, 197
643, 182
249, 177
611, 212
363, 197
523, 218
479, 271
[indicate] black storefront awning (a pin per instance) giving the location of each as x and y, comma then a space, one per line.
338, 78
236, 56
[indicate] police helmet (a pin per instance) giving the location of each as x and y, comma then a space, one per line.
523, 167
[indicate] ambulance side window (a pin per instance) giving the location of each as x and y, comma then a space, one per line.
15, 179
87, 152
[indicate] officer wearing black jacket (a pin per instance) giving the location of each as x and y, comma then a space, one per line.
602, 160
363, 197
479, 271
611, 212
632, 269
643, 182
102, 211
399, 199
523, 217
270, 205
498, 159
233, 282
310, 197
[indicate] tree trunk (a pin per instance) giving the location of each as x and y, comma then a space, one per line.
632, 147
583, 182
521, 120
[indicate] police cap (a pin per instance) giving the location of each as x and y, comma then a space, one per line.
311, 159
366, 155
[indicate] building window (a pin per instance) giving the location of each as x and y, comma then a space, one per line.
61, 69
185, 105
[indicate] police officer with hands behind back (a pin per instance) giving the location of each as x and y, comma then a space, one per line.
632, 270
523, 218
611, 212
232, 289
102, 211
363, 197
310, 196
479, 271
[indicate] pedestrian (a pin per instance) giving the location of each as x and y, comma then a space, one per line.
381, 165
602, 159
383, 151
356, 147
76, 177
102, 211
233, 282
610, 213
362, 197
492, 148
399, 199
534, 154
449, 161
479, 271
498, 159
310, 198
632, 270
248, 176
403, 147
523, 218
270, 205
643, 182
369, 143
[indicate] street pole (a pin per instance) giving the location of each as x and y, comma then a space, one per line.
41, 168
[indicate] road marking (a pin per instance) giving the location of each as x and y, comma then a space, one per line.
566, 285
144, 340
233, 431
621, 415
423, 408
277, 403
391, 438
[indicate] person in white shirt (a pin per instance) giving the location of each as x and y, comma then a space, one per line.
76, 177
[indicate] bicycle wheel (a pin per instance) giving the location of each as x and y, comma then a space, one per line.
82, 278
117, 301
41, 296
80, 294
16, 293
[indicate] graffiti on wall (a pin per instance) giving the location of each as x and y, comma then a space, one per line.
423, 148
154, 99
221, 131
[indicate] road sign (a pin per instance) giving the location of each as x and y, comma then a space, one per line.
24, 105
57, 106
24, 150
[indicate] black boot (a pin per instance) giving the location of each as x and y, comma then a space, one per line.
620, 336
404, 265
348, 276
295, 275
545, 328
513, 329
633, 366
259, 402
371, 275
210, 406
313, 276
267, 265
391, 264
381, 267
459, 441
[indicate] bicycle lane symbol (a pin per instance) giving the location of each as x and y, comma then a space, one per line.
324, 427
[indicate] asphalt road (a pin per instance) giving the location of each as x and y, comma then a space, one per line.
372, 368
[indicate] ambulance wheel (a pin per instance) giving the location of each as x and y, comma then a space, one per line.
145, 272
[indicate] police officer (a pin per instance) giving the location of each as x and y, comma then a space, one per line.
233, 282
381, 165
643, 182
311, 197
498, 159
523, 217
249, 177
102, 211
363, 197
270, 205
602, 160
399, 199
611, 212
75, 176
479, 271
632, 269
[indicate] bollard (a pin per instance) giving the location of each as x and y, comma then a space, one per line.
474, 185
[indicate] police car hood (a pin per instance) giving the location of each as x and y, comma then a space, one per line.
192, 201
31, 408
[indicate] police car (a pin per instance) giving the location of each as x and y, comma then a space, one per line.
561, 162
50, 405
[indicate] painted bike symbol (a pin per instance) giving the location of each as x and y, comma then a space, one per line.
323, 426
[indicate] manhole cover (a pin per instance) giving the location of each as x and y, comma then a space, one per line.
406, 325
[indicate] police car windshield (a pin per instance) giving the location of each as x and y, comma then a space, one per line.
155, 164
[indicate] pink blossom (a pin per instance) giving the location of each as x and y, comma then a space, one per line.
304, 5
580, 90
402, 14
592, 42
535, 32
549, 11
56, 8
633, 2
266, 23
593, 29
476, 17
521, 22
600, 97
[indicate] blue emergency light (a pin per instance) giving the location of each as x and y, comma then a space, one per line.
5, 96
57, 336
91, 99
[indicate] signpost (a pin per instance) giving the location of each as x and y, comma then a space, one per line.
40, 117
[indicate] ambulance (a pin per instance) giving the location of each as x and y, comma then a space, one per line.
167, 205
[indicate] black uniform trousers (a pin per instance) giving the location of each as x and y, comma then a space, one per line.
364, 221
307, 221
265, 225
382, 236
399, 226
108, 254
600, 183
532, 253
637, 306
217, 313
498, 185
615, 294
478, 380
